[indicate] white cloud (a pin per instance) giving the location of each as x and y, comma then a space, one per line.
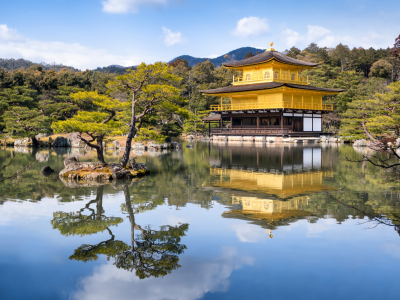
172, 38
127, 6
292, 37
315, 229
247, 233
13, 45
7, 33
326, 38
194, 279
392, 249
316, 33
251, 26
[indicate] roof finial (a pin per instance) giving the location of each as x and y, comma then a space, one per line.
271, 44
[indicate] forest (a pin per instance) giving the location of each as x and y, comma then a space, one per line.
34, 96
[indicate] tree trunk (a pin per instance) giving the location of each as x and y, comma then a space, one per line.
99, 202
99, 149
131, 214
131, 135
35, 142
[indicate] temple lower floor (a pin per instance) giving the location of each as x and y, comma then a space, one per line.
283, 123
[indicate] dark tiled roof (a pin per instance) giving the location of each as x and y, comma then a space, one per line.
314, 88
265, 86
267, 55
214, 117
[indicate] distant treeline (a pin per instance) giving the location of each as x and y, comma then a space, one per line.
15, 64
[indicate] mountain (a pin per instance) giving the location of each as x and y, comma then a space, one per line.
15, 64
238, 54
233, 55
114, 69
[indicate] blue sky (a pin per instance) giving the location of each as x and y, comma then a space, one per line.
96, 33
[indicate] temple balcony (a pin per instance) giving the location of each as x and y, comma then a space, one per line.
259, 78
272, 105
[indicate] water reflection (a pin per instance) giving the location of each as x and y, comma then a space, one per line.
151, 252
234, 198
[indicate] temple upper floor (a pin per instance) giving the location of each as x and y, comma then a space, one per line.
270, 66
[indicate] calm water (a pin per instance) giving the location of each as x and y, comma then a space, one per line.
213, 222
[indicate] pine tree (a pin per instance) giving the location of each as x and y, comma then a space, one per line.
103, 119
152, 91
379, 115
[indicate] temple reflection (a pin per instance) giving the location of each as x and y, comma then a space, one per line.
271, 190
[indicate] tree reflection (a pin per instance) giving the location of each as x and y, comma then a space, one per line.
81, 224
151, 252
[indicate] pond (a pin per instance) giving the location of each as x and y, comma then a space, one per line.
259, 221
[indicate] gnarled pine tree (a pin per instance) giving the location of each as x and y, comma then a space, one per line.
152, 91
100, 120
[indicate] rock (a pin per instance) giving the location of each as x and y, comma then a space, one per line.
41, 135
47, 170
77, 144
189, 146
278, 139
60, 142
333, 140
168, 139
360, 143
70, 160
190, 137
116, 168
117, 144
124, 174
397, 143
96, 172
324, 139
96, 176
155, 146
74, 141
88, 148
25, 142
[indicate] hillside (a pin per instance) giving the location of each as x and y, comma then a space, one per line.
238, 54
233, 55
117, 69
15, 64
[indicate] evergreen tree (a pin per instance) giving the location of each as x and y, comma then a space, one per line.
25, 122
152, 92
96, 123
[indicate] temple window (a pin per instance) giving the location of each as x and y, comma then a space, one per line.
276, 75
248, 77
293, 77
267, 75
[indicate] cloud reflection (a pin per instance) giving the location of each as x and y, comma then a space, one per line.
195, 278
247, 233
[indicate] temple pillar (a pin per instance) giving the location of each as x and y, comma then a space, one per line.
258, 121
